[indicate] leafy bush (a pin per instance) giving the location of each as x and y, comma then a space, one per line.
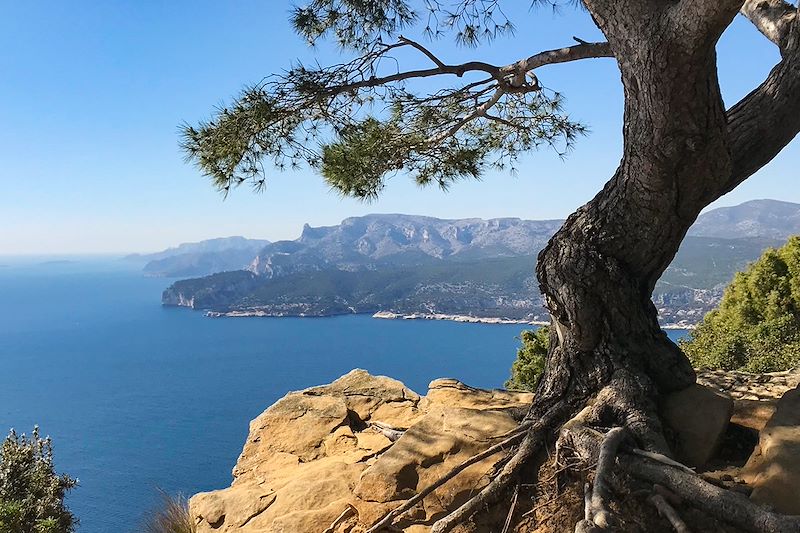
527, 369
756, 327
31, 492
171, 517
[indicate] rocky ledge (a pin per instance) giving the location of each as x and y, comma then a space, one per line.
336, 458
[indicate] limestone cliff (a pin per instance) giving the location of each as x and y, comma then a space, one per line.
317, 452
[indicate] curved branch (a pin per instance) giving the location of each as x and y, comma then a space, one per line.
479, 112
773, 18
438, 62
549, 57
583, 50
767, 119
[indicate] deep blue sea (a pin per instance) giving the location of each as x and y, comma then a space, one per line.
140, 398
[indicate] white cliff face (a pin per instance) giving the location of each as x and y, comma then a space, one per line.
178, 298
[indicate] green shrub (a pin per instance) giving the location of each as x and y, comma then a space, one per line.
31, 492
527, 369
756, 327
172, 516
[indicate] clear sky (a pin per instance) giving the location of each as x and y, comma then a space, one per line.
92, 94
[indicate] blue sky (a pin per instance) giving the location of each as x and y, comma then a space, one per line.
92, 94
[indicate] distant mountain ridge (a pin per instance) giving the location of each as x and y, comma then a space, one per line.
414, 264
201, 258
756, 218
373, 240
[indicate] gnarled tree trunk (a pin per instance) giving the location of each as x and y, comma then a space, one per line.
608, 357
681, 152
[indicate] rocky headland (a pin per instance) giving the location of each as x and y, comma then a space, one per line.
414, 265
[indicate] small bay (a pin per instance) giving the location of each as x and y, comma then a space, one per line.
138, 397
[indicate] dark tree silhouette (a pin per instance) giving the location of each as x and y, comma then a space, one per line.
361, 121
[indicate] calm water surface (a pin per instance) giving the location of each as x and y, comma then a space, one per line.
139, 398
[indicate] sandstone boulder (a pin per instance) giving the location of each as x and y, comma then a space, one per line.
698, 416
753, 414
453, 393
774, 467
318, 452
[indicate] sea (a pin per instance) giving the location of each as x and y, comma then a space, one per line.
141, 399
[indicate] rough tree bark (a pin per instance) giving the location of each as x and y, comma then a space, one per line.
609, 359
682, 151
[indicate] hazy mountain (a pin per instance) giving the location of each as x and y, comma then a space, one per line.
757, 218
201, 258
371, 241
409, 264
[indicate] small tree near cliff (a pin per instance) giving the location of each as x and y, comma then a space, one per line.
369, 117
757, 325
31, 492
528, 367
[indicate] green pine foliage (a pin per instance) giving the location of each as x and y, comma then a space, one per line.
757, 325
360, 122
527, 369
31, 492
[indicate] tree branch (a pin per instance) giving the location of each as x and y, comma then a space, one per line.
669, 512
767, 119
560, 55
583, 50
773, 18
479, 112
438, 62
706, 16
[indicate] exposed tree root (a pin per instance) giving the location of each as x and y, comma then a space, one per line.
601, 493
620, 460
506, 444
490, 494
727, 506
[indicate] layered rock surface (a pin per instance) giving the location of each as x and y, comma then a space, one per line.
323, 451
351, 451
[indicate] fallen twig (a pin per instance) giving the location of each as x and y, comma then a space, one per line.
661, 458
347, 513
511, 510
387, 431
587, 502
671, 497
669, 512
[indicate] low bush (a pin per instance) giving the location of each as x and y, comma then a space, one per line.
527, 369
756, 327
31, 492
